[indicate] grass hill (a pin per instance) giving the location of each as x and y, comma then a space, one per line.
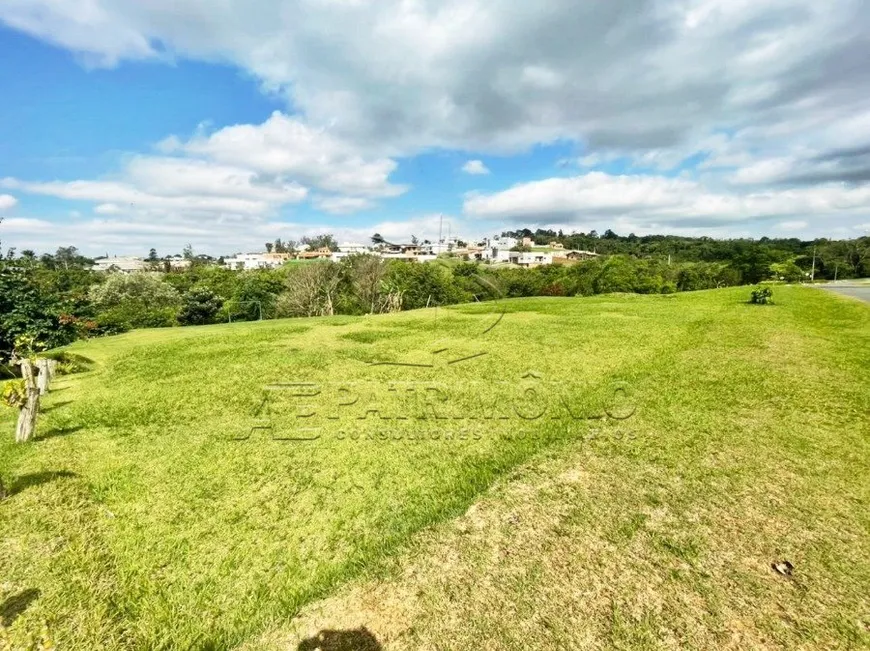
198, 487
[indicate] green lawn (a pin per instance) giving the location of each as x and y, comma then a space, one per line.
164, 503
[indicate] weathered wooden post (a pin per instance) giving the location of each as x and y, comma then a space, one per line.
52, 369
30, 410
43, 379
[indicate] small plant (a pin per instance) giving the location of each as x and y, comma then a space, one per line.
13, 394
761, 296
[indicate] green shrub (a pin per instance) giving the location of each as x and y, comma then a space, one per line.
761, 296
69, 363
111, 323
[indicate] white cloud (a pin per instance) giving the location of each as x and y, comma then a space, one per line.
108, 209
242, 170
769, 99
195, 191
342, 205
284, 145
472, 74
7, 201
475, 167
666, 202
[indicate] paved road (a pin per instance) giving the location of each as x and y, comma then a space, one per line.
857, 291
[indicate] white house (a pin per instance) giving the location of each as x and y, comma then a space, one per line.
530, 258
506, 243
246, 261
124, 264
353, 247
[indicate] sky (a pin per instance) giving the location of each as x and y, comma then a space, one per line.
127, 125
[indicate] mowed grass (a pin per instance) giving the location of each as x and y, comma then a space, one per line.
200, 486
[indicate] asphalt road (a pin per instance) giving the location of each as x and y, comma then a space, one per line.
856, 291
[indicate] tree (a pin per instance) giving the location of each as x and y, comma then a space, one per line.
187, 253
284, 247
200, 307
141, 300
152, 255
618, 275
270, 246
66, 258
311, 290
325, 240
365, 276
787, 271
27, 310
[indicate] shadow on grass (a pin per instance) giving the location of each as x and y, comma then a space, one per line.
358, 639
37, 479
16, 604
56, 405
55, 432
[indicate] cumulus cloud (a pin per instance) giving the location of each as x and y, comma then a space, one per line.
7, 201
665, 202
767, 99
397, 75
250, 170
475, 167
284, 145
173, 187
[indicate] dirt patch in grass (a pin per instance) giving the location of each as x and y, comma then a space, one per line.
593, 550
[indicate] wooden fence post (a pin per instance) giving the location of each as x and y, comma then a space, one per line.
27, 416
43, 379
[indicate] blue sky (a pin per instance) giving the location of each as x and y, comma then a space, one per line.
128, 126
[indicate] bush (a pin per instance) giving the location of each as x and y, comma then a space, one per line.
140, 300
111, 323
761, 296
69, 363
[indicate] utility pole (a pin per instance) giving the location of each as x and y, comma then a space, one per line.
440, 230
813, 272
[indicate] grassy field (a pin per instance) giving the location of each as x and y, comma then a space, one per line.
635, 463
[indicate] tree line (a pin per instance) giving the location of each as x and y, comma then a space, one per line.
55, 298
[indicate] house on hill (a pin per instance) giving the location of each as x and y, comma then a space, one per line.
320, 253
122, 264
248, 261
530, 258
571, 256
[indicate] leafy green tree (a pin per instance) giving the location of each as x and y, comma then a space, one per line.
142, 300
201, 306
787, 271
318, 241
618, 275
256, 294
26, 310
